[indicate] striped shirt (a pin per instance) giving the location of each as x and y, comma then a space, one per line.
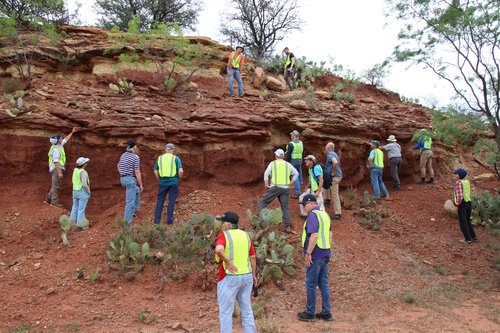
129, 163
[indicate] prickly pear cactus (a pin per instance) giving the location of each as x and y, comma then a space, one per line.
18, 103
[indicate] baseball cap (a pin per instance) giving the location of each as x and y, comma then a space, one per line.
131, 144
230, 217
54, 138
279, 152
308, 198
170, 146
82, 160
310, 157
461, 173
376, 143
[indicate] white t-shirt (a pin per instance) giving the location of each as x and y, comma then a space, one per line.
56, 155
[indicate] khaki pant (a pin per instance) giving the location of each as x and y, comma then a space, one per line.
426, 162
53, 195
334, 193
319, 200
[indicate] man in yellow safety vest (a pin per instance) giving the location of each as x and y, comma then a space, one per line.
293, 155
424, 145
168, 171
234, 64
376, 166
290, 68
462, 200
280, 172
235, 254
57, 166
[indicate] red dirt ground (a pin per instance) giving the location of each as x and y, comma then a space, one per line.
370, 275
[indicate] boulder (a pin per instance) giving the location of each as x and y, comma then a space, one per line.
321, 94
299, 104
274, 84
259, 77
450, 208
484, 177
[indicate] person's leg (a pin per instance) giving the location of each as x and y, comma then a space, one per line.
423, 163
129, 183
394, 163
268, 197
74, 209
429, 165
226, 296
286, 74
462, 220
374, 180
244, 300
172, 196
468, 212
237, 75
320, 201
294, 81
230, 78
324, 287
337, 208
160, 201
56, 185
83, 200
382, 187
312, 274
283, 199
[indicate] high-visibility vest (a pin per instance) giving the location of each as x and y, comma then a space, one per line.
298, 149
238, 251
427, 142
280, 173
378, 160
312, 180
235, 62
288, 61
465, 191
167, 166
62, 155
324, 222
77, 180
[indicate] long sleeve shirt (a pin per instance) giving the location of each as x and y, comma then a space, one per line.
293, 172
459, 193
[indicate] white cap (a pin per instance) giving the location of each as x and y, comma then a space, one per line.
82, 160
279, 152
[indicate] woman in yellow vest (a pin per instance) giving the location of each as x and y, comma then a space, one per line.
462, 200
81, 192
234, 63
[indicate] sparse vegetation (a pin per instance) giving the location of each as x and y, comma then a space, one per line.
96, 275
146, 317
19, 104
68, 225
10, 85
486, 211
440, 269
371, 216
122, 86
409, 298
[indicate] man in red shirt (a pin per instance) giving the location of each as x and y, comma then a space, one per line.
235, 253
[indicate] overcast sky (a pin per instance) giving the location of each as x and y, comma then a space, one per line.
355, 33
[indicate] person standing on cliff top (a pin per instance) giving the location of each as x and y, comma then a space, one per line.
289, 68
234, 63
129, 167
57, 166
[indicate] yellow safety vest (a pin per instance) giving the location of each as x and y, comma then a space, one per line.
238, 251
62, 153
167, 166
323, 241
298, 149
378, 160
235, 63
287, 60
427, 142
312, 180
465, 191
77, 180
280, 173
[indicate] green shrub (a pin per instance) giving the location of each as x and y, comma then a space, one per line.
10, 85
409, 298
486, 211
122, 86
452, 126
146, 317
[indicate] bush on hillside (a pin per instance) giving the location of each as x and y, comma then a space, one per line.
486, 211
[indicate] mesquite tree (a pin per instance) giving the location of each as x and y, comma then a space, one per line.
459, 40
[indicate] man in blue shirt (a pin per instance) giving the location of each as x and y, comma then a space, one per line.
316, 241
333, 166
168, 170
315, 184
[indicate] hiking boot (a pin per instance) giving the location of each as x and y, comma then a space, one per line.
335, 216
304, 316
421, 181
324, 316
464, 241
328, 202
475, 240
430, 181
56, 205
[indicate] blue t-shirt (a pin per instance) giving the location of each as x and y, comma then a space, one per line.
329, 164
317, 171
167, 181
312, 226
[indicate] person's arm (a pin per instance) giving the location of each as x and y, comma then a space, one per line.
219, 250
68, 137
157, 175
420, 144
294, 173
458, 193
288, 153
267, 173
253, 262
242, 60
179, 167
292, 62
181, 173
84, 180
310, 248
229, 65
139, 179
320, 186
370, 159
58, 169
335, 165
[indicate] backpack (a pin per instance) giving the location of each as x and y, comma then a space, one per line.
327, 177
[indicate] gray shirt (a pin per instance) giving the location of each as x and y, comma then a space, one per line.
293, 172
393, 150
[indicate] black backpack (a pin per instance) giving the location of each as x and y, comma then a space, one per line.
327, 177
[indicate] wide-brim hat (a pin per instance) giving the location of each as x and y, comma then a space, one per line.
392, 138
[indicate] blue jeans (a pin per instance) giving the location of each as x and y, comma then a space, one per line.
317, 275
80, 200
172, 191
235, 288
230, 76
298, 181
132, 197
377, 182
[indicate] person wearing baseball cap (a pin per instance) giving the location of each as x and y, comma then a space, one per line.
129, 167
168, 171
57, 166
314, 185
393, 150
81, 193
280, 172
316, 242
293, 155
334, 168
376, 166
462, 200
424, 146
234, 63
235, 254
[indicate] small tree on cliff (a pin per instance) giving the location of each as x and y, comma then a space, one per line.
259, 25
470, 30
26, 11
117, 13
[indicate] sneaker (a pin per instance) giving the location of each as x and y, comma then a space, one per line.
56, 205
337, 217
475, 240
463, 241
304, 316
303, 215
325, 316
430, 181
295, 196
328, 202
421, 181
78, 229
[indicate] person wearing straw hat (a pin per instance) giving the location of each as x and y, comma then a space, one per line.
81, 192
393, 150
